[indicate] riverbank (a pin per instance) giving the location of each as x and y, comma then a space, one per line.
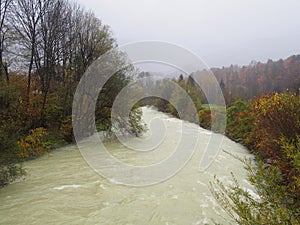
269, 127
278, 195
64, 189
42, 144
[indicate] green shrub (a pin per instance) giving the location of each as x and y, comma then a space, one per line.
270, 205
10, 172
9, 155
240, 121
67, 129
136, 126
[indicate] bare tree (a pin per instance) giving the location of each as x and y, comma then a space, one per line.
4, 29
94, 40
26, 17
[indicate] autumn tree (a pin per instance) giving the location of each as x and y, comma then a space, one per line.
57, 42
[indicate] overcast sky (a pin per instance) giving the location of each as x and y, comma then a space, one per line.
221, 32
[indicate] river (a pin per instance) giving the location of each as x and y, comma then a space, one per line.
62, 189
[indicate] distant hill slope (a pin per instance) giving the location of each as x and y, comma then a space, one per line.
257, 79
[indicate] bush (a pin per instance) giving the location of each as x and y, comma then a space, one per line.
207, 114
67, 130
270, 205
276, 116
9, 156
136, 126
35, 144
9, 173
270, 127
205, 118
240, 121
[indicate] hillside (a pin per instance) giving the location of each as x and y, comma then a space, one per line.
258, 78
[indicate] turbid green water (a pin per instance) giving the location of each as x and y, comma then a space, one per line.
63, 189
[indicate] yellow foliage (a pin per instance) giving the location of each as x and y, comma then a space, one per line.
35, 144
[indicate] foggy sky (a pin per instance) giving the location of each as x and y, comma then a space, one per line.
221, 32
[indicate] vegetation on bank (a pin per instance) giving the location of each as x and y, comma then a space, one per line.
269, 126
45, 48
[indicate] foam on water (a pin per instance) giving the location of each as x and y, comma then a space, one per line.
67, 186
63, 189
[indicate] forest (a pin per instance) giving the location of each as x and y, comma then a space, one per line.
258, 78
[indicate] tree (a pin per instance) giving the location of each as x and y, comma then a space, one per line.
94, 39
49, 52
4, 33
26, 17
57, 41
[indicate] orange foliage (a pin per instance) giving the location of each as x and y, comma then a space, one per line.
277, 118
25, 109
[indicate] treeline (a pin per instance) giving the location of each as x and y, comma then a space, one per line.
45, 48
258, 78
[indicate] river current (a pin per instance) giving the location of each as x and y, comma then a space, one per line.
62, 189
